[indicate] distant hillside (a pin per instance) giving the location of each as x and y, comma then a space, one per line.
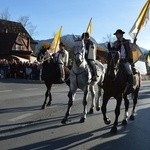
144, 51
68, 41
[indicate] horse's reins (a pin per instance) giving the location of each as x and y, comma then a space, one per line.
112, 61
43, 60
77, 74
78, 53
81, 62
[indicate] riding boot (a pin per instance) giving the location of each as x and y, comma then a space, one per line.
130, 84
62, 74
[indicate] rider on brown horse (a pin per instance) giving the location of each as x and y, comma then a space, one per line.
123, 46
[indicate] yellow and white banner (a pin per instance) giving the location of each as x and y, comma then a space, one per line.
141, 20
136, 52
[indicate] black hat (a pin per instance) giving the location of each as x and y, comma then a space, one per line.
119, 31
85, 34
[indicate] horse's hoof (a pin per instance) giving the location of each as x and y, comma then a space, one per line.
49, 104
43, 107
132, 117
64, 121
107, 121
124, 122
91, 111
98, 108
82, 120
113, 130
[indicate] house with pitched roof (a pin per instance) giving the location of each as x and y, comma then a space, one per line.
15, 41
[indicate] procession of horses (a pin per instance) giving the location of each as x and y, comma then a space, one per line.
110, 82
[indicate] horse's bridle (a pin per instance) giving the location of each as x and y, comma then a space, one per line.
113, 66
112, 60
82, 57
80, 54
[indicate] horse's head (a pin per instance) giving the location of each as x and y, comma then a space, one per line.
43, 55
113, 59
79, 51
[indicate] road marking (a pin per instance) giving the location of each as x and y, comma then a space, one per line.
30, 89
20, 117
5, 91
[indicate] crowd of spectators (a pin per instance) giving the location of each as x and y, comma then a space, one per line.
20, 70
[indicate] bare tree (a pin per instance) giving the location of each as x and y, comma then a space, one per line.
25, 21
108, 38
5, 14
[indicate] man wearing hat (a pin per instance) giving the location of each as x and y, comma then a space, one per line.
123, 46
45, 50
61, 57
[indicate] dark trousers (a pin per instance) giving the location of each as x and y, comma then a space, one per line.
92, 66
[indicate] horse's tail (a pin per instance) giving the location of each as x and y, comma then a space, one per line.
140, 79
138, 83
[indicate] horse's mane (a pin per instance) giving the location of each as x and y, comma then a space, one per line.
119, 80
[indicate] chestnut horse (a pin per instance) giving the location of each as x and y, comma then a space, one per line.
115, 83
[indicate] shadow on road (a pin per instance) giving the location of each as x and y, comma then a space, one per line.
133, 136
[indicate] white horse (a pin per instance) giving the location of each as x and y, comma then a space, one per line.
80, 78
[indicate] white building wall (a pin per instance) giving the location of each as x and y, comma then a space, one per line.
141, 66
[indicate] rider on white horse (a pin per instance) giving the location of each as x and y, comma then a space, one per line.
90, 54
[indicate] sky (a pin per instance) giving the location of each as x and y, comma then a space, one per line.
74, 15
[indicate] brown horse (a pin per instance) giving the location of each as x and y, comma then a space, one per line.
115, 83
50, 74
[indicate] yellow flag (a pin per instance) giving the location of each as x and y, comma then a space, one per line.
89, 28
56, 41
141, 20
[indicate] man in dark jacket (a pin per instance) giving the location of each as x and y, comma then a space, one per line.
123, 46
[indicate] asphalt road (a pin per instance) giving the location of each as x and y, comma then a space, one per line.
24, 126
